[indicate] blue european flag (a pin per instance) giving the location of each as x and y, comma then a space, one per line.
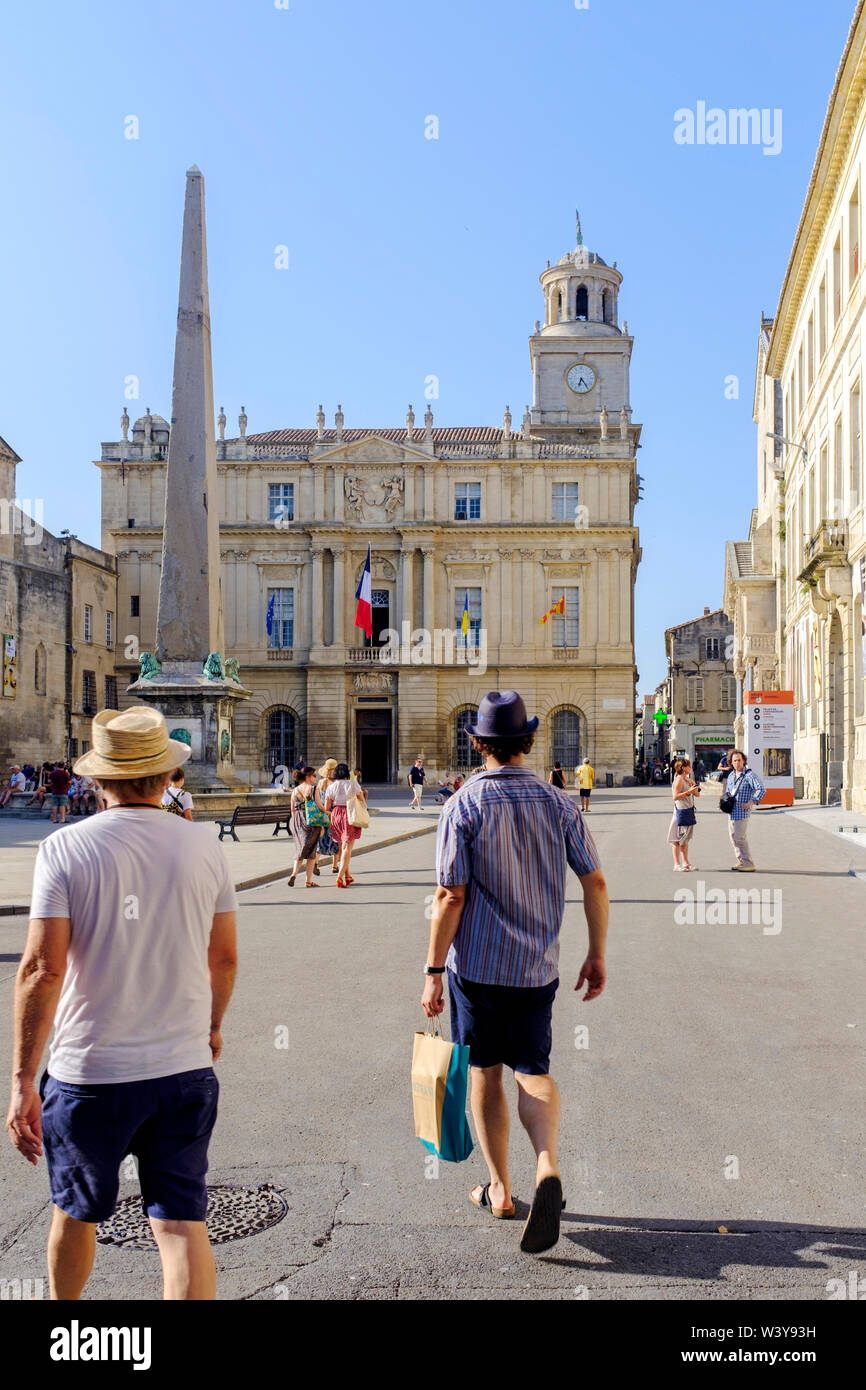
269, 620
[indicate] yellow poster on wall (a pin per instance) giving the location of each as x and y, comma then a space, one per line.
10, 664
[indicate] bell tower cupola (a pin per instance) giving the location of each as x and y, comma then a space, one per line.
580, 353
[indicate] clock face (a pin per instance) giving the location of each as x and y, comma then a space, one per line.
581, 378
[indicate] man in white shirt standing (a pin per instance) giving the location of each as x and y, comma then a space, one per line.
135, 970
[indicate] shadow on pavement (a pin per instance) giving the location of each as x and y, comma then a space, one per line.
696, 1250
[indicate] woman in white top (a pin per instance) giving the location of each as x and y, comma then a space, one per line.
684, 791
337, 798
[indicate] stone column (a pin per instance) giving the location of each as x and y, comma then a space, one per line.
526, 578
409, 493
339, 496
339, 599
318, 495
429, 616
506, 614
407, 588
428, 492
317, 596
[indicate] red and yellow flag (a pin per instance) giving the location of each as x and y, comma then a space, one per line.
558, 607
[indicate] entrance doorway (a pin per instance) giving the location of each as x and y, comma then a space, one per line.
373, 744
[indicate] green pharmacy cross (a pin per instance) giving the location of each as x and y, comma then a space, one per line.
660, 717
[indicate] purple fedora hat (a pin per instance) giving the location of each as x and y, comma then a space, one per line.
502, 714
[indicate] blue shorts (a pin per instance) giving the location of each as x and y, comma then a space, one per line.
165, 1123
501, 1023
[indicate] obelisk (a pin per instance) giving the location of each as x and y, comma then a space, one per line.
189, 617
187, 675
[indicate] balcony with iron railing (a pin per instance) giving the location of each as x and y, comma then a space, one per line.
827, 547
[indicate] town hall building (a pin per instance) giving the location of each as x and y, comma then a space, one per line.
475, 533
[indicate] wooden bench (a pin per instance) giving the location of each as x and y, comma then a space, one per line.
256, 815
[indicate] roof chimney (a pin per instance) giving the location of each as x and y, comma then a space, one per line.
706, 610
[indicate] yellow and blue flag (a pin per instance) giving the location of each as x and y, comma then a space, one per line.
464, 621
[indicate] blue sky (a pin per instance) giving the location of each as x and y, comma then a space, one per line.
408, 256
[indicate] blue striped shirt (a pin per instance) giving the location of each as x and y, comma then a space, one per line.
509, 838
749, 787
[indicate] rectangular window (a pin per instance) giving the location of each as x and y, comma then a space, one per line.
837, 501
712, 646
801, 382
566, 630
837, 279
854, 236
473, 636
88, 693
111, 692
728, 693
281, 502
467, 502
695, 693
73, 748
822, 319
282, 613
565, 502
810, 352
109, 630
133, 605
88, 623
855, 446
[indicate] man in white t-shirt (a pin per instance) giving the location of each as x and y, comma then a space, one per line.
17, 783
135, 969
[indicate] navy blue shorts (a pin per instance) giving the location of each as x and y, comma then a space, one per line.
501, 1023
165, 1124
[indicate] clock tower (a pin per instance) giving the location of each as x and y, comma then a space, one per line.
580, 355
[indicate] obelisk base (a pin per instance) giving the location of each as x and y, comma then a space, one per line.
199, 712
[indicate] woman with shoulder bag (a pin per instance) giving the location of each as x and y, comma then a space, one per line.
307, 818
743, 790
684, 820
327, 844
343, 791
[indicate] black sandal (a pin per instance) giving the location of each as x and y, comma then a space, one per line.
541, 1231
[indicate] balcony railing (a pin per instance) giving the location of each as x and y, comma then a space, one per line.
828, 546
280, 654
566, 653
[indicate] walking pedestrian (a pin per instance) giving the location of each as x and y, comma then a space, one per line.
683, 820
131, 954
700, 770
175, 799
556, 778
748, 790
584, 778
337, 799
307, 817
416, 779
58, 785
496, 920
328, 846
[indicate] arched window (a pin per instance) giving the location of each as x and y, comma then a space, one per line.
605, 306
464, 754
281, 744
561, 306
565, 739
39, 662
581, 309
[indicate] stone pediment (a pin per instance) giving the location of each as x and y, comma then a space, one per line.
372, 449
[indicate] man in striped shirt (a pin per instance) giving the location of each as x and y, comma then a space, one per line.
505, 842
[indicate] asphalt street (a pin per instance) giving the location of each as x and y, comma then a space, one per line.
713, 1129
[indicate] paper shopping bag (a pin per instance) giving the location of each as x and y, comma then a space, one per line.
440, 1073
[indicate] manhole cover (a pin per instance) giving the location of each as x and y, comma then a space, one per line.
232, 1213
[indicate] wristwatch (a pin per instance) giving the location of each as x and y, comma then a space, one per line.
434, 969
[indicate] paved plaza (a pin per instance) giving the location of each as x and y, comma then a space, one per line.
721, 1085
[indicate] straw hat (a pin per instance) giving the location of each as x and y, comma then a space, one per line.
327, 767
132, 744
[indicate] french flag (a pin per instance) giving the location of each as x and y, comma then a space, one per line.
363, 593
